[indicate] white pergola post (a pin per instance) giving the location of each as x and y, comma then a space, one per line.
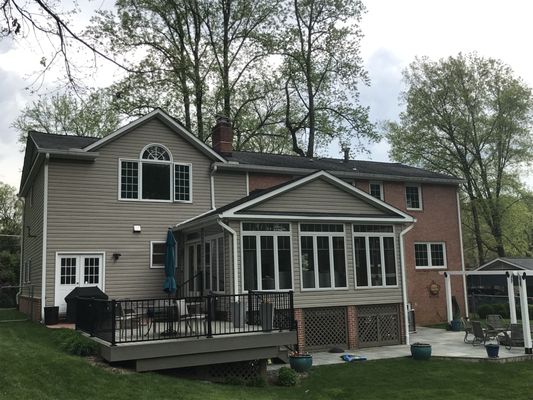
525, 313
448, 290
510, 293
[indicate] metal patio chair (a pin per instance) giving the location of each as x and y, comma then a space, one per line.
513, 338
480, 335
467, 326
496, 322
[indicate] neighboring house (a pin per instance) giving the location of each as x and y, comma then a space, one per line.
354, 240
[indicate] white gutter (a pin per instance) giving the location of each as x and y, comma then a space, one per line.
404, 282
45, 235
462, 254
235, 252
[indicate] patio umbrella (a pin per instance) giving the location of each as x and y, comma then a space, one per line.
170, 262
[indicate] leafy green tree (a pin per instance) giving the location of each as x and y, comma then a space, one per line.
10, 229
67, 114
469, 116
321, 69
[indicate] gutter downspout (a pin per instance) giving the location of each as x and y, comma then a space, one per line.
467, 312
212, 179
235, 251
45, 235
404, 282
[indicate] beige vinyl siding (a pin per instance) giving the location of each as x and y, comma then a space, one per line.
229, 187
33, 224
317, 196
85, 214
334, 297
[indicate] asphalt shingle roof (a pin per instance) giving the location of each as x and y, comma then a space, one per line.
333, 164
61, 142
526, 263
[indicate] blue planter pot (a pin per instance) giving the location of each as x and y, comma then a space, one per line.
455, 325
421, 351
492, 350
301, 363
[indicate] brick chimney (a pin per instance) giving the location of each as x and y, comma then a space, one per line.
222, 136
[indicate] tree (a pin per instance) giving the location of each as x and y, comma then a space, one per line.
468, 116
19, 18
67, 114
199, 57
10, 229
321, 70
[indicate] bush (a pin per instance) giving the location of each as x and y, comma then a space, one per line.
287, 377
74, 343
502, 309
484, 310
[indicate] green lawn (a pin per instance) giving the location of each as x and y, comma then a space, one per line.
11, 314
32, 367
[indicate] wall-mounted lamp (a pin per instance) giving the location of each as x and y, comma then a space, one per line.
116, 256
136, 228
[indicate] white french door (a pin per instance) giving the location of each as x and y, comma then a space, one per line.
194, 260
73, 270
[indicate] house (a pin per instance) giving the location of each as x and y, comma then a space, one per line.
346, 244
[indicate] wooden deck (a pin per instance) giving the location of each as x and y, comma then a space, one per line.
201, 350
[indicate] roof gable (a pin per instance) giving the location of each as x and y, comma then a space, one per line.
507, 263
169, 122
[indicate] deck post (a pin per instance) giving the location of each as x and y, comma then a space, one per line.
448, 290
113, 322
510, 293
209, 315
525, 313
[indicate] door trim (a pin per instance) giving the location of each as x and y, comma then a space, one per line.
59, 254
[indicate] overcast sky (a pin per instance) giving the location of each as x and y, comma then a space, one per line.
396, 31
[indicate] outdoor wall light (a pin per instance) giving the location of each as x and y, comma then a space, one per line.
136, 228
116, 256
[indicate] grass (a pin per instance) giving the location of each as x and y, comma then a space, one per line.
11, 314
33, 367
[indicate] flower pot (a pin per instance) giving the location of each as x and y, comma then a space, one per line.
492, 350
421, 351
455, 325
301, 363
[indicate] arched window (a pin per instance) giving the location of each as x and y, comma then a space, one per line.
154, 176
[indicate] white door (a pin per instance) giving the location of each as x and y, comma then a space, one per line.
73, 270
194, 257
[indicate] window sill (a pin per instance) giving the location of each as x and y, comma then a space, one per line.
429, 268
377, 287
303, 290
414, 209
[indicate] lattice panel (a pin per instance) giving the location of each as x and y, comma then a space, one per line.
378, 325
244, 370
325, 327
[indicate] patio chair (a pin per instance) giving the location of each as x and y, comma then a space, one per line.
467, 326
127, 319
480, 335
513, 338
496, 322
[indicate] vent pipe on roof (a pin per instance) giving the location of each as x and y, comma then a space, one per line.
222, 136
346, 151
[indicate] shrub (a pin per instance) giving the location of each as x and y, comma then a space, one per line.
76, 344
484, 310
287, 377
502, 309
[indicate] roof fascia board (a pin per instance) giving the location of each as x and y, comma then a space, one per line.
334, 180
167, 120
69, 154
340, 174
501, 260
196, 222
230, 215
33, 171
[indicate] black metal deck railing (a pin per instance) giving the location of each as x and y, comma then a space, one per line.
124, 321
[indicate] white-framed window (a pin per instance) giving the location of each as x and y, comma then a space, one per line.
413, 197
322, 256
430, 255
158, 251
266, 255
374, 256
214, 264
376, 189
155, 177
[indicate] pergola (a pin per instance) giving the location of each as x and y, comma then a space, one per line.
522, 285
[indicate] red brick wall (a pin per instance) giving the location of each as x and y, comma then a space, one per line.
437, 222
352, 327
299, 318
263, 181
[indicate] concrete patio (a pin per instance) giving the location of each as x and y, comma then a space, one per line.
445, 345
